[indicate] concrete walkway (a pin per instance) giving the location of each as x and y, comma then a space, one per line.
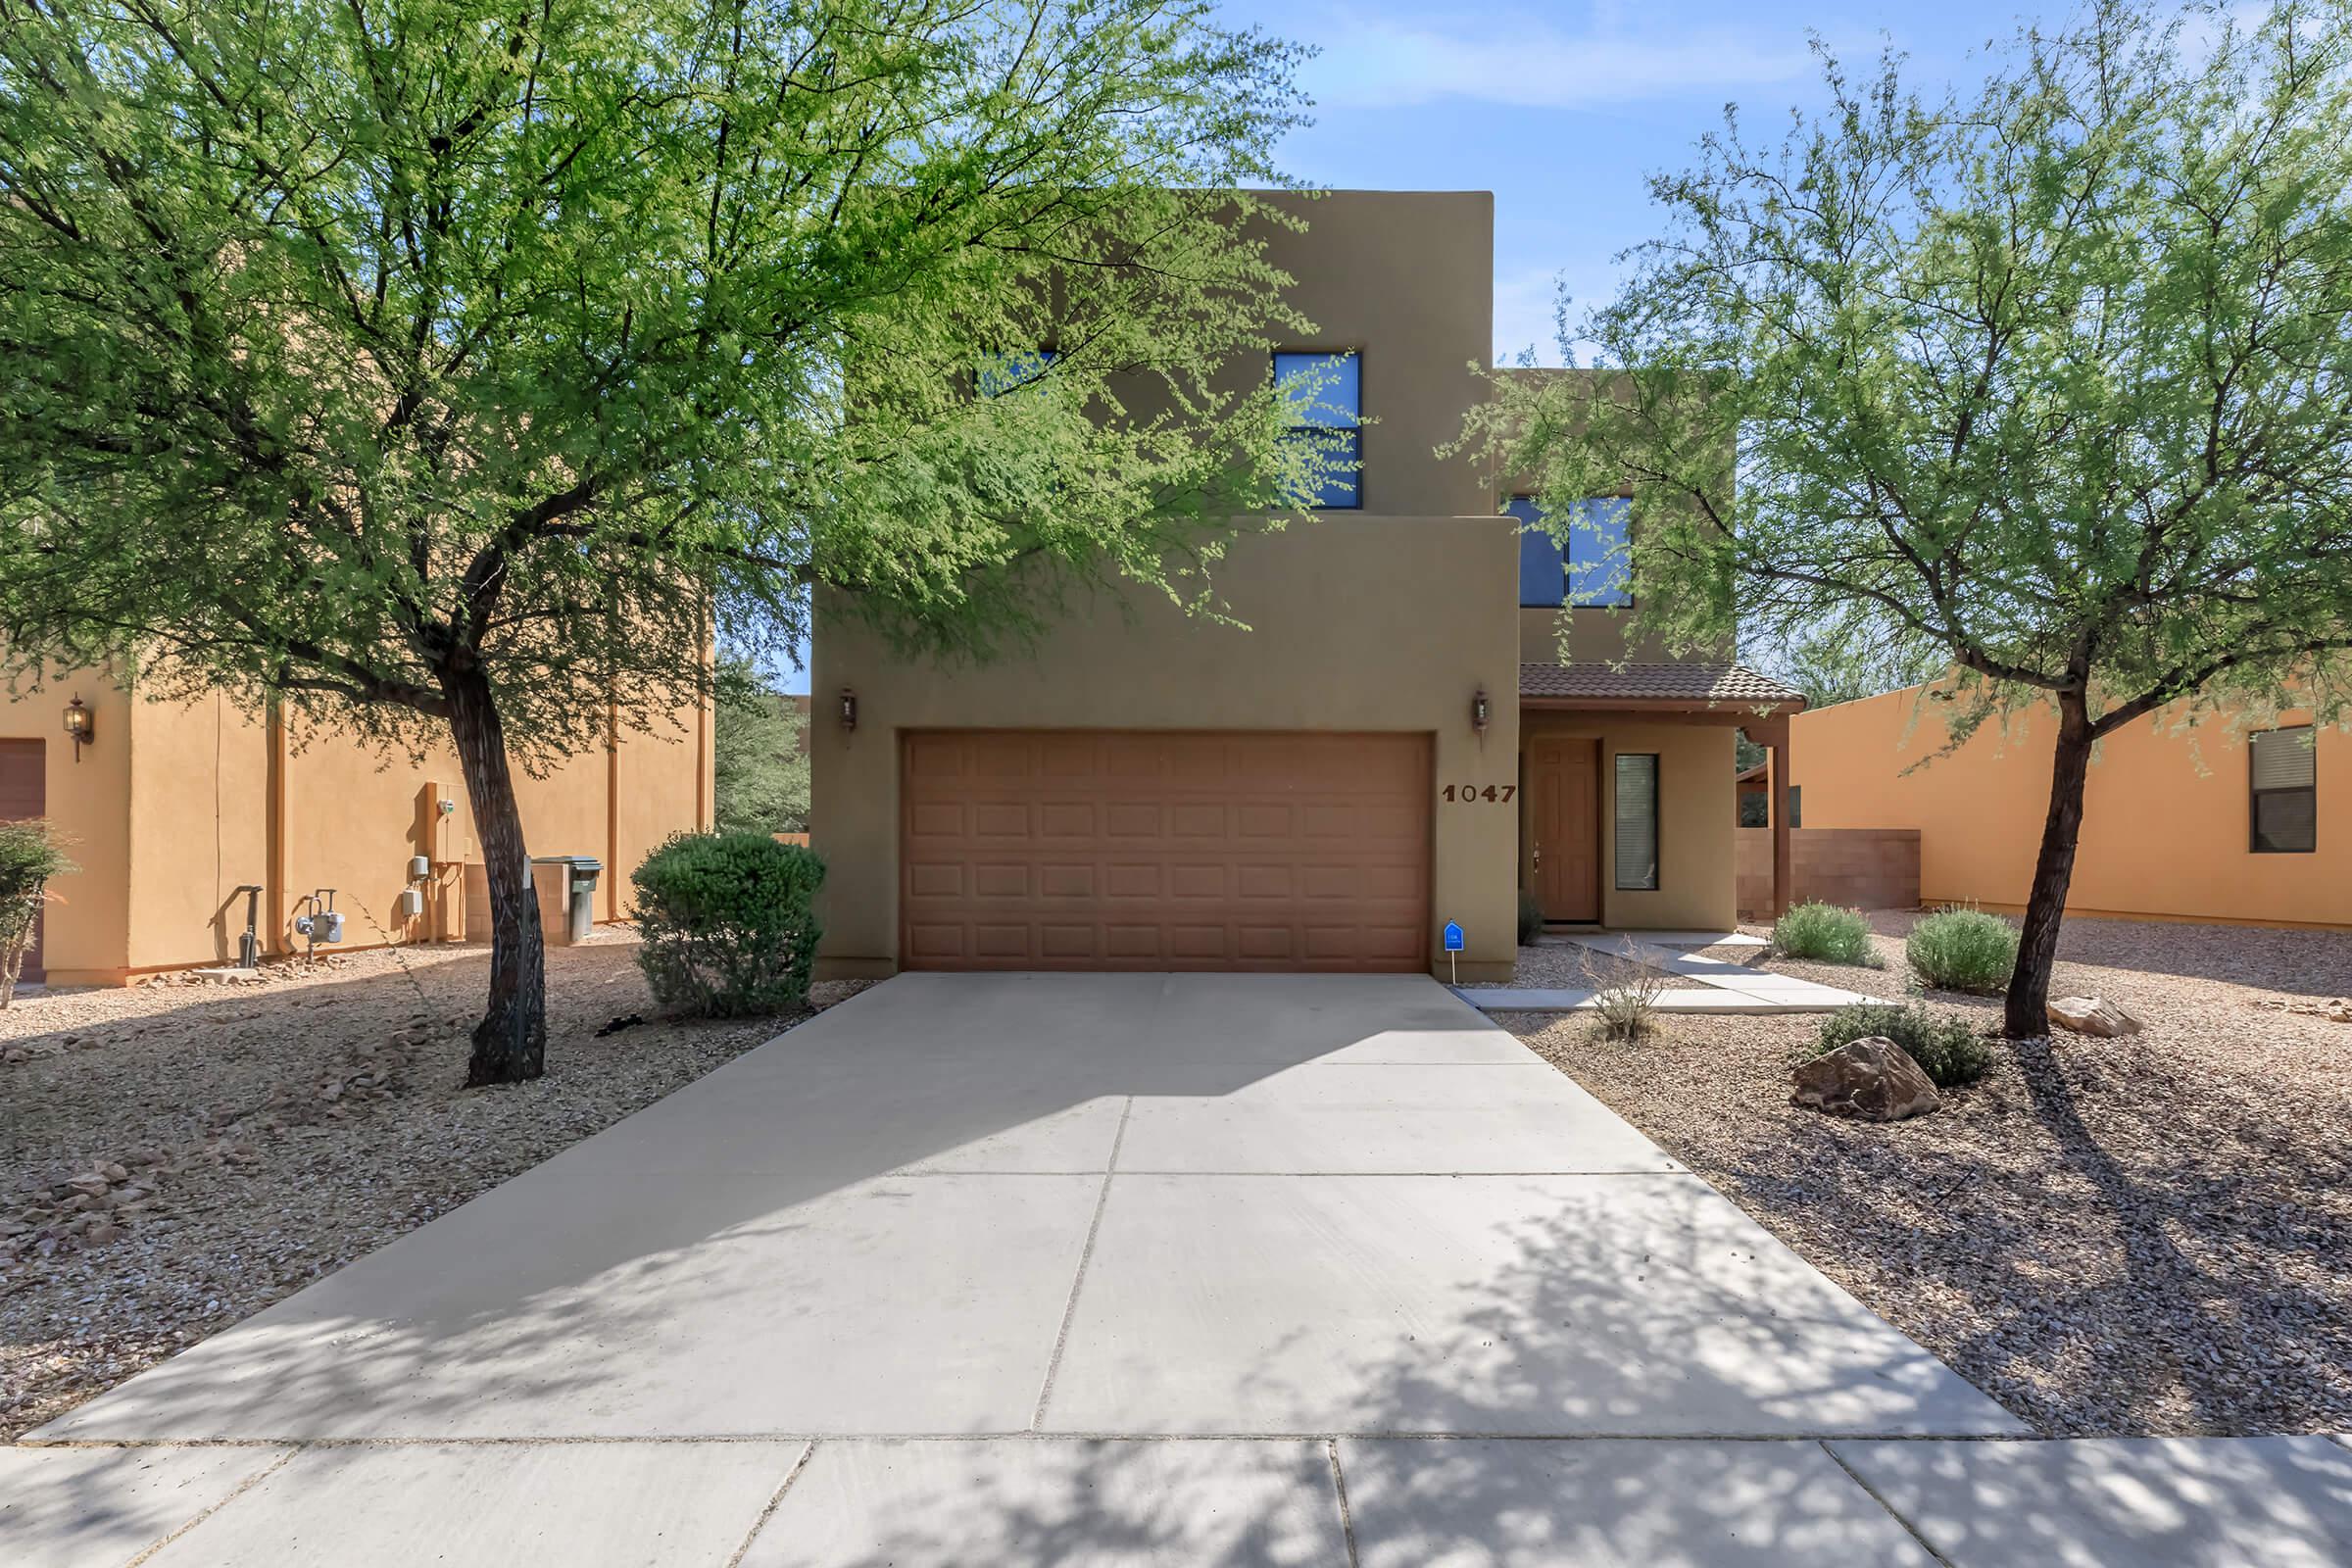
1110, 1270
1718, 987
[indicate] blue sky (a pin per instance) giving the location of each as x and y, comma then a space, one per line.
1563, 111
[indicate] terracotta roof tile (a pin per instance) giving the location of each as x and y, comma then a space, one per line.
1695, 683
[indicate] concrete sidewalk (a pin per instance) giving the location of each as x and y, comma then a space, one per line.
1109, 1269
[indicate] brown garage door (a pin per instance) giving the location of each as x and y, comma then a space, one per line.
1118, 850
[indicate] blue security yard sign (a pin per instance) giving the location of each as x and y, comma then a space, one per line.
1454, 936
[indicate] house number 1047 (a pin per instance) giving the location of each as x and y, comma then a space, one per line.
1465, 793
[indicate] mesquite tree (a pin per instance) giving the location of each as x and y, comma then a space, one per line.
2051, 386
449, 370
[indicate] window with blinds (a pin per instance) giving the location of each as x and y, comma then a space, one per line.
1636, 816
2283, 769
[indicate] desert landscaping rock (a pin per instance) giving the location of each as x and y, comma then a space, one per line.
177, 1156
1872, 1078
2150, 1235
2092, 1016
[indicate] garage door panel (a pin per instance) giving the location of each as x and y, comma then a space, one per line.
1085, 849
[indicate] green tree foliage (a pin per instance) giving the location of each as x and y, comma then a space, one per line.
759, 775
2050, 388
29, 856
445, 369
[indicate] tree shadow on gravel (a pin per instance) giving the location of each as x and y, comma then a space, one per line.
2186, 1268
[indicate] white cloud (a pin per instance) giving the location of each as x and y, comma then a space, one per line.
1521, 60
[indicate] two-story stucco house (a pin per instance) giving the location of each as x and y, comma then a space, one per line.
1391, 743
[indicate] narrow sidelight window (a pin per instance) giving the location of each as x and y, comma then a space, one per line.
1326, 397
1636, 821
2283, 770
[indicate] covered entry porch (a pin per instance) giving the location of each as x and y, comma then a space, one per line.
1629, 793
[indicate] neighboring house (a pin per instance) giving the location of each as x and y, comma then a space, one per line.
172, 808
1390, 744
2244, 823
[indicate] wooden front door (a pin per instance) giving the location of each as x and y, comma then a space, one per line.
1563, 779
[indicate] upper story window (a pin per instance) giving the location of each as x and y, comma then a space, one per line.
1596, 572
1325, 393
2285, 774
998, 373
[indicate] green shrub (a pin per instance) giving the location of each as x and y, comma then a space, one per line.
1530, 918
1946, 1048
30, 854
1825, 932
1963, 949
728, 923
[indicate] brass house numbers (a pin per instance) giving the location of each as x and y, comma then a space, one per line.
1467, 794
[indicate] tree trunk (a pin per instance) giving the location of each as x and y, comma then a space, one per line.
510, 1044
2028, 1011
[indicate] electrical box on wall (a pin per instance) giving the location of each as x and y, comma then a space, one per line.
411, 903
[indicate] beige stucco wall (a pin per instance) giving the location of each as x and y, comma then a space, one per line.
198, 827
1594, 637
172, 808
1696, 820
2165, 811
1355, 623
86, 926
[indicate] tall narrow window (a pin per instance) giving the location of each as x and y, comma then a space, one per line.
2283, 769
1325, 393
1600, 562
1543, 573
1637, 819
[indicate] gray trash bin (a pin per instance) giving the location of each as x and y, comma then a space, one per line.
580, 873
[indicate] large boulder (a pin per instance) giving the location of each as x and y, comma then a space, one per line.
1872, 1078
2092, 1016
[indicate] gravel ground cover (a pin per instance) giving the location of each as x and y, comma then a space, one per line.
2147, 1235
176, 1157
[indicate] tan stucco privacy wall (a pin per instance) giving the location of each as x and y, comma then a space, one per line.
2164, 818
174, 805
1355, 625
1696, 844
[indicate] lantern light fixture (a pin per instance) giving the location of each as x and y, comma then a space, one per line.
849, 708
1479, 712
80, 724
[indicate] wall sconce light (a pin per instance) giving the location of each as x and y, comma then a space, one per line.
849, 708
80, 724
1479, 712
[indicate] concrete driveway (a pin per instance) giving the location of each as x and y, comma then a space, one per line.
931, 1277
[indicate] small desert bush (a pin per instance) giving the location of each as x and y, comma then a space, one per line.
1963, 949
30, 854
1946, 1048
1625, 995
1826, 933
728, 923
1530, 918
